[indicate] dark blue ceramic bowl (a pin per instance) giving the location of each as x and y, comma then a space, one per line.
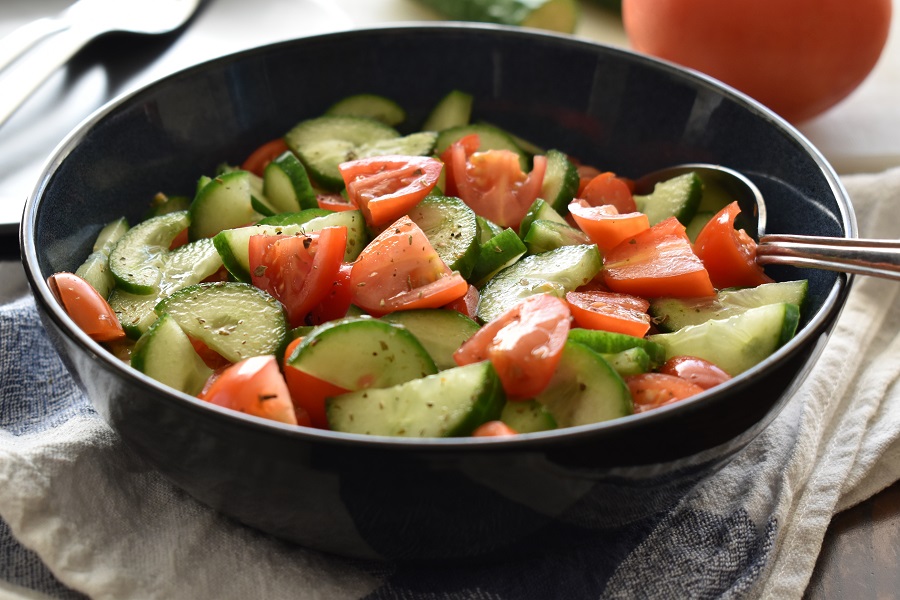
431, 499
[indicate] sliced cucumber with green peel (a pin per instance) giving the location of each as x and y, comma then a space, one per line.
225, 202
486, 229
629, 362
540, 210
697, 224
137, 259
372, 106
234, 319
450, 226
677, 197
560, 181
544, 235
286, 185
295, 218
610, 342
451, 403
497, 253
489, 138
453, 110
95, 268
163, 203
555, 272
671, 314
362, 352
585, 389
440, 331
166, 354
737, 343
553, 15
527, 416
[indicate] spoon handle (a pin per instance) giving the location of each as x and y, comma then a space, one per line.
878, 258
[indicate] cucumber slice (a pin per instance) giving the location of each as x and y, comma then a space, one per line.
294, 218
166, 354
286, 185
486, 229
163, 204
539, 210
95, 268
527, 416
609, 342
496, 254
226, 201
737, 343
187, 265
357, 234
585, 389
697, 224
440, 331
371, 106
137, 259
544, 236
450, 226
362, 352
555, 272
677, 197
489, 138
560, 181
629, 362
452, 403
453, 110
672, 314
554, 15
236, 320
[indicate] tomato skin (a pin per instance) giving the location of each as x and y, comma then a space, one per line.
335, 202
400, 270
308, 393
657, 262
652, 390
253, 386
338, 300
696, 370
387, 187
607, 311
467, 304
494, 429
258, 160
298, 270
606, 188
605, 225
210, 357
524, 344
729, 254
90, 311
799, 57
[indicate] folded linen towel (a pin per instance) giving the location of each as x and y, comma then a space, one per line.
82, 516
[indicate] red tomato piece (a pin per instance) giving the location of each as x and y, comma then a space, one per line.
494, 429
254, 386
729, 254
606, 188
90, 311
466, 146
652, 390
400, 270
387, 187
298, 270
585, 174
696, 370
258, 160
608, 311
308, 393
335, 202
605, 225
524, 344
657, 262
492, 182
467, 304
210, 357
338, 300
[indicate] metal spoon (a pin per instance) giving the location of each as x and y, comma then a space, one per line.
878, 258
72, 30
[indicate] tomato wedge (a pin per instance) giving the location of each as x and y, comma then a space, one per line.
605, 225
387, 187
493, 429
308, 393
90, 311
258, 160
524, 344
467, 304
492, 182
336, 202
338, 300
254, 386
606, 188
729, 254
657, 262
608, 311
652, 390
400, 270
696, 370
298, 270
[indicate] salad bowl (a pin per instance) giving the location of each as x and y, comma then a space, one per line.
431, 499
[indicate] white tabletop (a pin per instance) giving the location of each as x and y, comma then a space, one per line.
862, 134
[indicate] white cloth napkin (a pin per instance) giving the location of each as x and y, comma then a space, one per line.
82, 516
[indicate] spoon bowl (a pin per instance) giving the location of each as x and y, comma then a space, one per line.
878, 258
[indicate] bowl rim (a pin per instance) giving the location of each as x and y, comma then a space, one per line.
831, 306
